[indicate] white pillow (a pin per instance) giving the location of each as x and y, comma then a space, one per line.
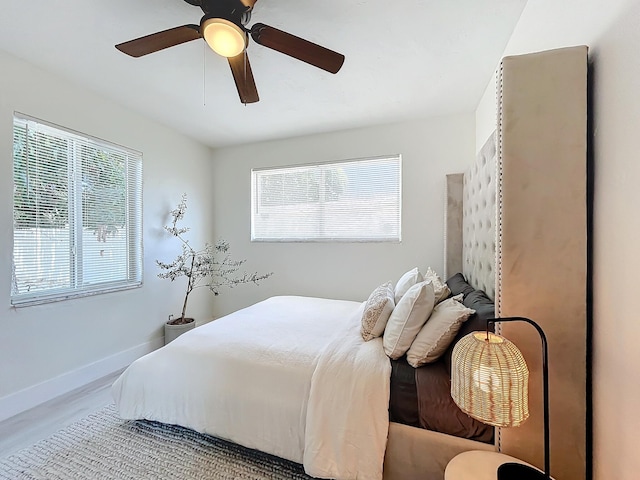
377, 311
407, 318
437, 334
407, 281
440, 288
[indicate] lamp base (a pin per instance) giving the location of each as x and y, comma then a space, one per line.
517, 471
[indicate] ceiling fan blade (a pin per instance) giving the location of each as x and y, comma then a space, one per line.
297, 47
241, 69
160, 40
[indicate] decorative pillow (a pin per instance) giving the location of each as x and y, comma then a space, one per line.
407, 318
440, 289
377, 311
437, 334
407, 281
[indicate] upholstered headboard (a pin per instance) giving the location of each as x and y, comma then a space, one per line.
533, 261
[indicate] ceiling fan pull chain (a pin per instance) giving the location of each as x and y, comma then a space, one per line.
204, 74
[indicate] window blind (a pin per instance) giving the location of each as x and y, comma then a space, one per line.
352, 200
77, 214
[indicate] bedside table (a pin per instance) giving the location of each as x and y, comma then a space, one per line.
480, 465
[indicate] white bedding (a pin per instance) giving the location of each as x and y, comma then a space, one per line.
290, 376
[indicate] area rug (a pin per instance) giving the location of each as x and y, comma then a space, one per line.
103, 447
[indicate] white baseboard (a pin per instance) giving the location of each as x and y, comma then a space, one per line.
35, 395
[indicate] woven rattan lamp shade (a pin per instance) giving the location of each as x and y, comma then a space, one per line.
490, 379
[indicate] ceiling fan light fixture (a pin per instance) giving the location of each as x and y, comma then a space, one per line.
224, 37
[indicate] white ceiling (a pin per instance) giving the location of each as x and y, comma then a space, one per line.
404, 59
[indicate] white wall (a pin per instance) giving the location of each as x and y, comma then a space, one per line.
430, 149
41, 343
610, 29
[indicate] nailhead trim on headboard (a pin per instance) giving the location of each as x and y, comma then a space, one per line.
498, 279
499, 179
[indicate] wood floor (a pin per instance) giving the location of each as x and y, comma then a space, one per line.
40, 422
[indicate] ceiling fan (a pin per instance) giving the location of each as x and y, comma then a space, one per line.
223, 27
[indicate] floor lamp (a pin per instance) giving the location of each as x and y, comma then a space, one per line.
489, 382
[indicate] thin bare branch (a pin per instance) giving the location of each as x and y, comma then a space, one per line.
211, 267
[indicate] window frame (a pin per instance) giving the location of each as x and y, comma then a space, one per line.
134, 253
360, 239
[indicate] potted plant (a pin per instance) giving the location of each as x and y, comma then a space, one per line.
211, 267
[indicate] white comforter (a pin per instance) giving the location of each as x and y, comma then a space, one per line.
290, 376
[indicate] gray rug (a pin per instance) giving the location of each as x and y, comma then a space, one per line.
102, 446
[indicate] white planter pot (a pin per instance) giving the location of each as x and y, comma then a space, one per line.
171, 332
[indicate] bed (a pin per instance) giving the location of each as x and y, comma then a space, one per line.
311, 390
293, 377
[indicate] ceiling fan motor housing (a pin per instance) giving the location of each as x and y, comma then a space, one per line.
233, 10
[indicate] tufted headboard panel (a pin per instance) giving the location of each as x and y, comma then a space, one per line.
479, 220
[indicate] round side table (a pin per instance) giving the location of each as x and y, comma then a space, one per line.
477, 465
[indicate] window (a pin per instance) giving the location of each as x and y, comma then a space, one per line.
354, 200
77, 214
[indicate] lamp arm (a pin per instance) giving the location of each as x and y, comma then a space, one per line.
545, 380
